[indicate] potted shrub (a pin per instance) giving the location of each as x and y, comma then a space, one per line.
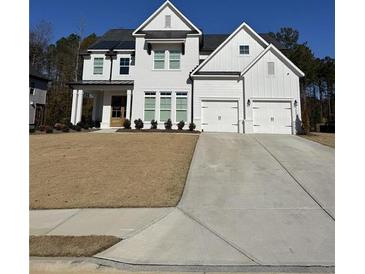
153, 124
138, 123
127, 124
192, 126
77, 128
181, 125
168, 124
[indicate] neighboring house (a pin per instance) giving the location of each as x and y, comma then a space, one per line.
167, 68
38, 85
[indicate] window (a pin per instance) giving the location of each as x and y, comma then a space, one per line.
271, 68
159, 59
31, 88
98, 65
174, 58
124, 66
181, 106
165, 106
167, 21
149, 106
244, 49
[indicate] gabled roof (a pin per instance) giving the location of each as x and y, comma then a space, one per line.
212, 41
170, 5
278, 54
243, 25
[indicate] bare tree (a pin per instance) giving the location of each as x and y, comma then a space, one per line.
81, 28
40, 37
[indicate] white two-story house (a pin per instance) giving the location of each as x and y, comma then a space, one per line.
168, 68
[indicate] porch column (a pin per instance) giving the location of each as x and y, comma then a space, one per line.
80, 98
74, 107
128, 110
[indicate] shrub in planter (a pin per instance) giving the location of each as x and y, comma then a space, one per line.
168, 124
138, 123
127, 124
49, 129
65, 129
192, 126
181, 125
31, 130
97, 124
153, 124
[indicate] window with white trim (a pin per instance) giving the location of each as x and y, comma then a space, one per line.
181, 106
174, 59
124, 66
159, 59
165, 106
149, 106
244, 49
98, 65
271, 68
167, 21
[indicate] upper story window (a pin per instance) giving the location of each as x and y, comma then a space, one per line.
98, 65
244, 49
271, 68
159, 59
167, 21
174, 59
124, 66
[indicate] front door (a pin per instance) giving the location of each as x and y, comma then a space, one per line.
118, 111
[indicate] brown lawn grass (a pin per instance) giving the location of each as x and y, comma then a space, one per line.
69, 246
327, 139
108, 170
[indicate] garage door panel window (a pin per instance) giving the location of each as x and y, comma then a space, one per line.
149, 106
181, 106
165, 106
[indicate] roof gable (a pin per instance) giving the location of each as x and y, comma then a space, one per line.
280, 56
244, 27
156, 22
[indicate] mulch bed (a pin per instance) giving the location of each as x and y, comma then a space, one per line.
157, 130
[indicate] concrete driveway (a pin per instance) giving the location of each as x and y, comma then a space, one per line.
253, 200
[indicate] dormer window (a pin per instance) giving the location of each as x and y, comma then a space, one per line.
167, 21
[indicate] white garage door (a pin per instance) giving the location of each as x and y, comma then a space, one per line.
272, 117
220, 116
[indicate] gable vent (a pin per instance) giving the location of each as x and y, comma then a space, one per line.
167, 21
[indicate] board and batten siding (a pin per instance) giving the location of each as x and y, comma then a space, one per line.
214, 89
158, 23
283, 86
228, 58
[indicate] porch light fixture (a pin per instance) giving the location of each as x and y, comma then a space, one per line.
248, 102
295, 103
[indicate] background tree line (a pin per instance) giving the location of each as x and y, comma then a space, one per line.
62, 64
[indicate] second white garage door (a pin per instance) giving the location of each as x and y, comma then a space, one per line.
272, 117
219, 116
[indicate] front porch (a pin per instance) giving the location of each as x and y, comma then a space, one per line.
111, 101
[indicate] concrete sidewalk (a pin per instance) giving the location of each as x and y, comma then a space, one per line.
119, 222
